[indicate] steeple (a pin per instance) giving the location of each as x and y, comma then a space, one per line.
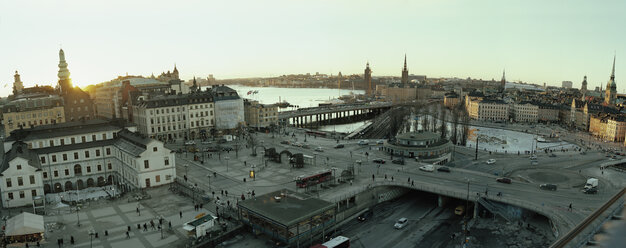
613, 71
583, 88
367, 80
65, 82
503, 76
503, 81
611, 88
405, 72
17, 84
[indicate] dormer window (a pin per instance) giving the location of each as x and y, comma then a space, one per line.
19, 166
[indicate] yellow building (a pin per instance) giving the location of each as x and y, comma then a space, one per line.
451, 100
260, 115
33, 112
610, 128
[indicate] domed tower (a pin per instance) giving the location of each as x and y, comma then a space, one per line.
65, 83
611, 88
175, 72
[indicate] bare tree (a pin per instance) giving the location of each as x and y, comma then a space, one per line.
443, 127
455, 126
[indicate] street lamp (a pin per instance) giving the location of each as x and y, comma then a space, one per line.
476, 156
91, 233
77, 216
226, 158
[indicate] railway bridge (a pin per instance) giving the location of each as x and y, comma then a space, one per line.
331, 114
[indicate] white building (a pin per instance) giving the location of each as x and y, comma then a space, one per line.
229, 111
76, 155
525, 112
170, 117
566, 84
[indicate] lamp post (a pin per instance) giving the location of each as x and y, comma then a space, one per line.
466, 209
91, 233
77, 216
186, 166
476, 155
226, 158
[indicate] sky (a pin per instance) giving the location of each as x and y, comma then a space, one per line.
535, 41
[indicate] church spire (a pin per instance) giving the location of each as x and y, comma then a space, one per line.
503, 76
405, 72
613, 71
406, 69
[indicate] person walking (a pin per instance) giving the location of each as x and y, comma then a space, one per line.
570, 207
127, 235
181, 214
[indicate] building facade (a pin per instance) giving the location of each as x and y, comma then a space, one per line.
78, 105
525, 112
229, 110
26, 113
77, 155
425, 146
259, 115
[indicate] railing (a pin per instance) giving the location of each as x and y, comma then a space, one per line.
587, 222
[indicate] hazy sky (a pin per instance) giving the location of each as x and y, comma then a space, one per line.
536, 41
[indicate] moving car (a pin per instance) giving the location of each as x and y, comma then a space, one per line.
552, 155
398, 161
533, 157
491, 161
401, 223
285, 142
590, 190
547, 186
365, 215
190, 143
428, 167
339, 146
504, 180
319, 149
380, 142
379, 161
363, 142
206, 142
443, 169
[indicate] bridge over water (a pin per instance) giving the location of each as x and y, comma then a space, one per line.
316, 116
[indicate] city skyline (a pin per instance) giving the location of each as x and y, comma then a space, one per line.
535, 42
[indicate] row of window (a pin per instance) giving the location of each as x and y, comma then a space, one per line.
77, 170
32, 192
72, 140
34, 115
20, 181
53, 157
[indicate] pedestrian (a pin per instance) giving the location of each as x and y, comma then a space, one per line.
392, 178
137, 209
408, 180
145, 227
412, 183
138, 226
170, 224
181, 214
106, 233
129, 228
243, 197
372, 177
226, 192
385, 177
222, 192
570, 207
201, 204
71, 240
127, 235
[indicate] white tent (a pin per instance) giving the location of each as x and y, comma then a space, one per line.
24, 224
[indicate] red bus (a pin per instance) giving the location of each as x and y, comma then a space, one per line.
337, 242
317, 178
316, 133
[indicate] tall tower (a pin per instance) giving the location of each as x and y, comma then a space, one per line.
175, 72
502, 82
611, 88
367, 79
405, 72
18, 86
65, 83
583, 88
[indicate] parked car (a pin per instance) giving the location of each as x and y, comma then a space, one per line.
491, 161
398, 161
319, 149
212, 149
190, 143
401, 223
379, 161
365, 215
547, 186
504, 180
428, 168
533, 157
339, 146
380, 142
443, 169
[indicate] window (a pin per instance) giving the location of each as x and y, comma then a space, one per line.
20, 181
109, 166
108, 151
157, 178
83, 139
43, 160
88, 169
167, 161
11, 196
73, 140
67, 172
32, 179
65, 156
97, 153
62, 141
45, 175
86, 154
154, 149
19, 166
146, 164
168, 177
8, 182
54, 158
76, 155
104, 136
51, 142
21, 194
56, 173
93, 137
33, 192
99, 167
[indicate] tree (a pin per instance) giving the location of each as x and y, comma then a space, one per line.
443, 128
455, 125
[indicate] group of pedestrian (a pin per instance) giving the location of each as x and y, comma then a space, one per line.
197, 207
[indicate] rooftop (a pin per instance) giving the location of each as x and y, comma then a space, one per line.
66, 128
292, 208
418, 136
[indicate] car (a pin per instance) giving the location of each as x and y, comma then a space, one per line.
365, 215
459, 210
590, 190
401, 223
297, 144
212, 149
552, 155
221, 141
190, 143
398, 161
491, 161
504, 180
319, 149
428, 168
227, 148
206, 142
548, 186
443, 169
533, 157
339, 146
379, 161
363, 142
285, 142
359, 162
380, 142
